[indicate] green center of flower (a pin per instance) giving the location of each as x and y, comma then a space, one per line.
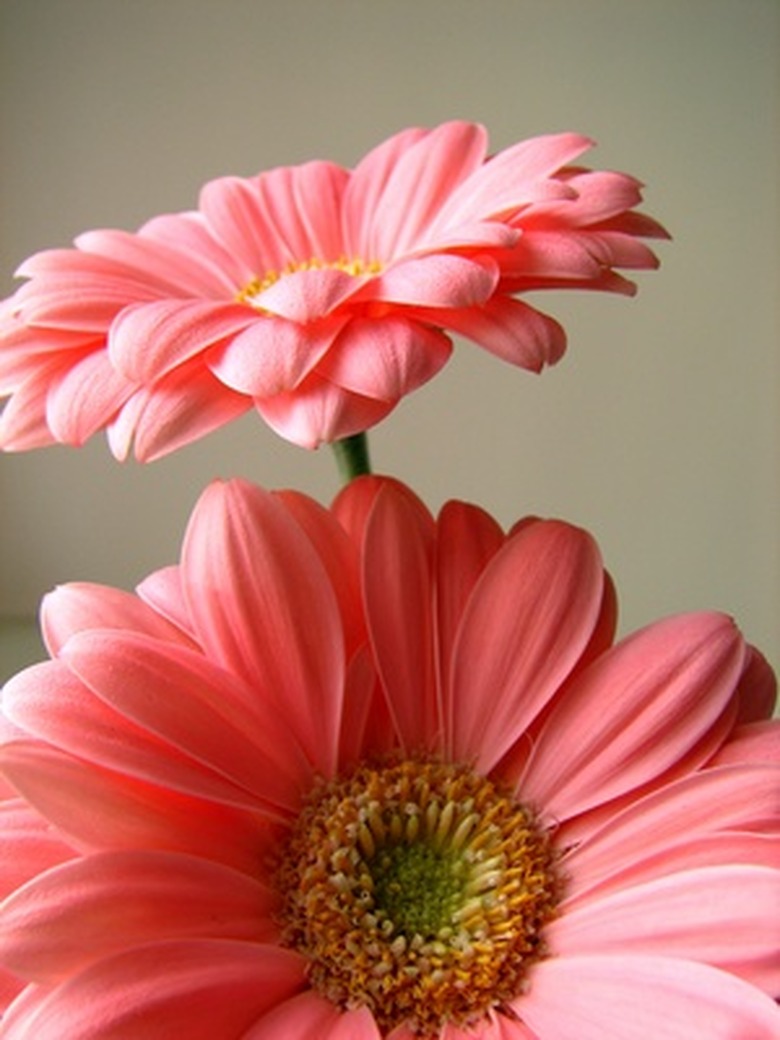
419, 890
355, 266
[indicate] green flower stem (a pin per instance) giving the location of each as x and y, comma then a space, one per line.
352, 456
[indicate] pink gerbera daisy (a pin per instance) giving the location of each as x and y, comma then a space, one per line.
365, 774
319, 295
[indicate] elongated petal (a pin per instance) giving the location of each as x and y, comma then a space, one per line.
725, 916
262, 604
616, 997
527, 623
203, 990
85, 398
635, 712
28, 845
310, 1015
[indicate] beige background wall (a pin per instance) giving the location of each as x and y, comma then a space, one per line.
658, 431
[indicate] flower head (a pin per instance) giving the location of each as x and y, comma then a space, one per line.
316, 294
365, 773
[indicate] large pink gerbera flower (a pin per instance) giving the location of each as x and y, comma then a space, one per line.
318, 295
366, 774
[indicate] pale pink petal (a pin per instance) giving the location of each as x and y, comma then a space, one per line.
308, 294
438, 280
308, 1016
77, 606
187, 236
385, 358
528, 621
71, 916
422, 178
635, 712
98, 809
202, 990
515, 177
617, 997
510, 329
85, 398
150, 339
398, 594
23, 423
319, 412
180, 408
235, 217
742, 798
273, 355
726, 916
264, 608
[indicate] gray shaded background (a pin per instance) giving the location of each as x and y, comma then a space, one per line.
658, 430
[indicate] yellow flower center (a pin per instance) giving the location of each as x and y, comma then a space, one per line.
419, 890
350, 265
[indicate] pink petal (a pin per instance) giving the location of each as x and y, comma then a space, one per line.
150, 339
85, 398
528, 621
725, 916
100, 809
752, 742
510, 329
617, 997
757, 688
309, 294
180, 408
515, 177
731, 800
163, 591
424, 174
273, 355
78, 606
385, 358
634, 713
23, 423
201, 990
308, 1015
398, 593
99, 905
319, 412
436, 280
28, 845
264, 608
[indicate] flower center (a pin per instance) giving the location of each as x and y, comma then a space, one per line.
420, 890
354, 266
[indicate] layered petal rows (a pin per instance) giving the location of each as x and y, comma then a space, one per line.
317, 295
159, 761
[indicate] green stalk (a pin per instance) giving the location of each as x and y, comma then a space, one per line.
352, 456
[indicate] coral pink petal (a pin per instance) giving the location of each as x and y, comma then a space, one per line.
150, 339
467, 539
273, 355
235, 217
398, 594
515, 177
23, 423
752, 742
438, 280
245, 559
742, 798
510, 329
207, 714
635, 712
308, 1016
722, 915
78, 606
617, 997
180, 408
423, 177
85, 398
162, 591
186, 236
319, 412
308, 294
385, 358
757, 688
28, 845
70, 916
99, 809
198, 989
529, 619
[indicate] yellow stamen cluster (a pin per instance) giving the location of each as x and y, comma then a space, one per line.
350, 265
420, 890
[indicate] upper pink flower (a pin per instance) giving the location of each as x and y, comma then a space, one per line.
318, 295
368, 774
